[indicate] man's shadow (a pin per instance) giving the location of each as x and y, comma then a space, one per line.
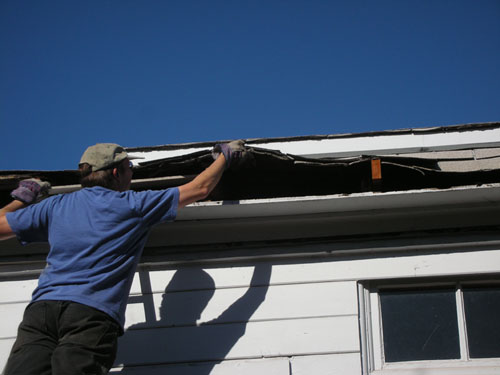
176, 338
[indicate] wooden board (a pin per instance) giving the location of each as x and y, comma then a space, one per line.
17, 291
237, 341
332, 364
245, 304
274, 366
13, 314
308, 312
390, 266
5, 346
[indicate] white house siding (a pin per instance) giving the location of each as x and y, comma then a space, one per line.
307, 323
14, 298
305, 319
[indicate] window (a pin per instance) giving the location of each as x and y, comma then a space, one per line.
419, 324
435, 323
482, 313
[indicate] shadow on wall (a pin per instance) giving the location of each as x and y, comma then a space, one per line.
176, 338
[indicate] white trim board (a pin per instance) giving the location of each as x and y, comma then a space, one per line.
381, 144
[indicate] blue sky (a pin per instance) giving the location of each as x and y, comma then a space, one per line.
144, 73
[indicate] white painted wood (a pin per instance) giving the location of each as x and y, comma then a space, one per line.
353, 145
17, 291
376, 332
236, 341
13, 314
281, 302
303, 338
162, 154
5, 346
387, 143
333, 364
462, 328
459, 263
293, 301
365, 329
274, 366
446, 369
222, 277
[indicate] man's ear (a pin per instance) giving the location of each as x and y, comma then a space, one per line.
115, 173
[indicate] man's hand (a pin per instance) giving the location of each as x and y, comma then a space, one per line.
31, 191
234, 152
233, 155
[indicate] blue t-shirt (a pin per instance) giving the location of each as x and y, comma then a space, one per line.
96, 237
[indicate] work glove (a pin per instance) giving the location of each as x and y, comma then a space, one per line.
234, 152
31, 191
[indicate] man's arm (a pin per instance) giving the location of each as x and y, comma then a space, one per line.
226, 155
5, 229
203, 184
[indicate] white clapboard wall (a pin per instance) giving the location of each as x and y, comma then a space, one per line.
262, 318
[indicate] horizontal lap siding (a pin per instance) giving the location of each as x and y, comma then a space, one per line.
10, 316
236, 341
14, 297
17, 291
395, 265
303, 313
337, 364
5, 346
280, 302
308, 316
245, 317
274, 366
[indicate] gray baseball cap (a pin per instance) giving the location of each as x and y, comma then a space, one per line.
105, 155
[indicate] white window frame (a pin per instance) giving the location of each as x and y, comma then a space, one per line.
372, 348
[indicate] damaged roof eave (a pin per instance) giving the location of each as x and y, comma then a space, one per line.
433, 199
348, 145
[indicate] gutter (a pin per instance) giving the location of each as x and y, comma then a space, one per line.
435, 199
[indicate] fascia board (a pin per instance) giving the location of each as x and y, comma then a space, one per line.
163, 154
389, 144
334, 204
384, 144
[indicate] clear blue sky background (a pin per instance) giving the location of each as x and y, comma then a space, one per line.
144, 73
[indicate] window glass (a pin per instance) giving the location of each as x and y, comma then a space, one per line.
419, 324
482, 317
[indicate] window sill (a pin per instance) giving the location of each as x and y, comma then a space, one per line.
476, 367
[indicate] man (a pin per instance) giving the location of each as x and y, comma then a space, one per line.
96, 237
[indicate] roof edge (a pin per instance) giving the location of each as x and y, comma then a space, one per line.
250, 141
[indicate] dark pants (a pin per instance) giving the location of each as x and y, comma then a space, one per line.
63, 338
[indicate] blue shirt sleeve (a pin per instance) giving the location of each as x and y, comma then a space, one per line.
31, 224
156, 206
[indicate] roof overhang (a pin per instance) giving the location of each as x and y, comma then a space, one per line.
389, 142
